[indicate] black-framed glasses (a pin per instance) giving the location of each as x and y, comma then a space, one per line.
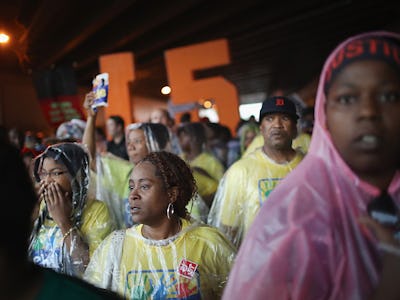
53, 174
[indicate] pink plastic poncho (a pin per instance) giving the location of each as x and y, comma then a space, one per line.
306, 242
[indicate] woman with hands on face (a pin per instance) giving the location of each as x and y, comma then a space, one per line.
69, 226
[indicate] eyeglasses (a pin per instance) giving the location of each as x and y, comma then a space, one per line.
53, 174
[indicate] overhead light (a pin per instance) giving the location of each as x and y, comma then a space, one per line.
4, 38
207, 103
166, 90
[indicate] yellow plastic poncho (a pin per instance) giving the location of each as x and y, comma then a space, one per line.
194, 264
243, 189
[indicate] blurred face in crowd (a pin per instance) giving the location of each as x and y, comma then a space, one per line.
363, 116
136, 145
14, 138
278, 130
307, 123
112, 128
185, 141
249, 137
159, 116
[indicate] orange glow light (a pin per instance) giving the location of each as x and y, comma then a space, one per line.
4, 38
207, 104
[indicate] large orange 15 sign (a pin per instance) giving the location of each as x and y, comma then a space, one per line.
182, 62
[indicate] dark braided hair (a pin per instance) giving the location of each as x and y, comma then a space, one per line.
174, 172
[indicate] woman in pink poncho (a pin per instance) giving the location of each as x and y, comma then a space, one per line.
307, 242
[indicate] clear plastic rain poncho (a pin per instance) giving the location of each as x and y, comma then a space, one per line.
245, 186
306, 243
193, 264
113, 175
207, 171
90, 218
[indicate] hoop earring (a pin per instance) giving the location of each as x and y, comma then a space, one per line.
170, 210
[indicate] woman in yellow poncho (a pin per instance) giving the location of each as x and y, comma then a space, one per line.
166, 255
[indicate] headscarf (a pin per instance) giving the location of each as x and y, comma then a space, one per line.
306, 242
76, 160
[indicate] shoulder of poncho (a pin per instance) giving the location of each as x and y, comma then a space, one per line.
202, 231
247, 161
116, 236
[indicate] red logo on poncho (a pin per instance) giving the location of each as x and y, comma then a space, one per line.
187, 268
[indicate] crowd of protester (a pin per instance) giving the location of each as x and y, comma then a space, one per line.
281, 209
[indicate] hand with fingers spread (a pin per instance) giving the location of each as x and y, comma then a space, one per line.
59, 205
39, 188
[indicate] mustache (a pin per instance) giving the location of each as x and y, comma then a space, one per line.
278, 132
